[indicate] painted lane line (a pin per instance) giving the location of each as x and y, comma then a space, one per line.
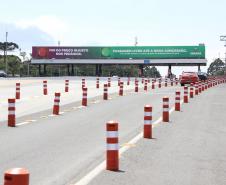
96, 171
22, 123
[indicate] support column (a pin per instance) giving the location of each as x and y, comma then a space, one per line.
199, 68
44, 70
169, 72
100, 69
72, 70
97, 70
68, 70
141, 70
39, 70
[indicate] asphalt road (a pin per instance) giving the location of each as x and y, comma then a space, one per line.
61, 149
189, 150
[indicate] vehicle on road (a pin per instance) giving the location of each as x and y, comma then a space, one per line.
3, 73
202, 76
188, 78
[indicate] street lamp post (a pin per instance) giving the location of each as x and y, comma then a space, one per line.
5, 52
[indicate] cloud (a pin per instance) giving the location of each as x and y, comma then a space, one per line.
51, 25
25, 37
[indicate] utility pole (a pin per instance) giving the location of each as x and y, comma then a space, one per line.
223, 38
5, 53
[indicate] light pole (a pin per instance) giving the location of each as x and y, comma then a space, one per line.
223, 38
5, 52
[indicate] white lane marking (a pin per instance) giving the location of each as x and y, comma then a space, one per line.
23, 123
97, 170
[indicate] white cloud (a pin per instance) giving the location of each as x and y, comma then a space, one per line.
51, 25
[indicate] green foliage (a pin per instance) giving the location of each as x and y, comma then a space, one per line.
217, 67
151, 72
9, 46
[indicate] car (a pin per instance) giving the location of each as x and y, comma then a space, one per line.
3, 73
188, 78
202, 76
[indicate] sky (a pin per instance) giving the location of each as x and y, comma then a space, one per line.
116, 22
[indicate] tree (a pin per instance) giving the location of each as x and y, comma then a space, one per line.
14, 64
217, 67
151, 72
8, 46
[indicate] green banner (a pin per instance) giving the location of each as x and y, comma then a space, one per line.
154, 52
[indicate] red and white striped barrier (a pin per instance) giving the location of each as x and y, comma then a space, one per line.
203, 86
119, 80
112, 161
191, 91
128, 81
196, 88
83, 83
84, 96
149, 80
109, 82
45, 89
200, 87
97, 83
11, 112
142, 80
56, 106
16, 176
177, 101
160, 83
66, 86
165, 113
166, 81
145, 85
176, 81
105, 97
153, 85
121, 89
136, 85
206, 85
147, 121
185, 94
17, 91
171, 82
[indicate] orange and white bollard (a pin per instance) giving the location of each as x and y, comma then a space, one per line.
45, 90
17, 91
165, 114
83, 83
196, 88
171, 82
147, 121
185, 94
109, 82
177, 101
16, 176
84, 96
136, 85
56, 106
121, 89
176, 81
200, 87
105, 97
11, 112
66, 86
191, 91
128, 81
97, 83
203, 86
160, 83
119, 80
112, 155
166, 82
153, 85
145, 85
